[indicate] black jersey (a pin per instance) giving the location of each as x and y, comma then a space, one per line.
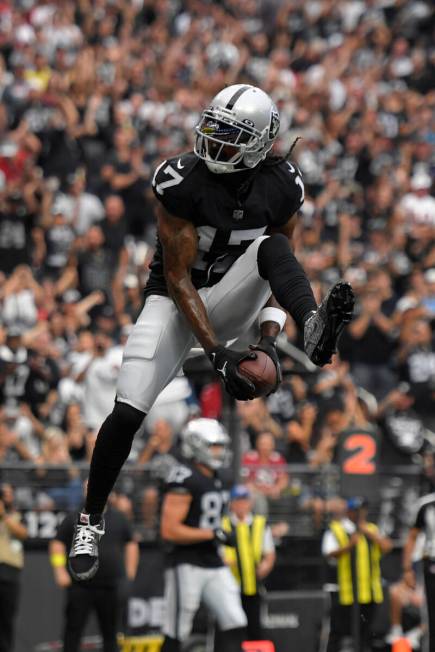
209, 498
229, 211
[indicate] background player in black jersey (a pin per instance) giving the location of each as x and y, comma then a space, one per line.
195, 496
222, 267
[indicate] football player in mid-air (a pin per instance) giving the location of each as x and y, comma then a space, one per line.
195, 496
223, 268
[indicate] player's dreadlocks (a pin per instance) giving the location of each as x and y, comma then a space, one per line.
292, 146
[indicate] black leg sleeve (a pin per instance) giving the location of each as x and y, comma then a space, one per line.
288, 281
111, 449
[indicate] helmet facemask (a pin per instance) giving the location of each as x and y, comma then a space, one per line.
228, 145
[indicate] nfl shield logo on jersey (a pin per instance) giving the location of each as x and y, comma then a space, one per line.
237, 215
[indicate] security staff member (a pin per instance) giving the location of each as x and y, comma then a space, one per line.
12, 533
424, 522
253, 556
354, 548
119, 556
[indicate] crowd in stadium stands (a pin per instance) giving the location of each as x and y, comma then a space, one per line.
93, 95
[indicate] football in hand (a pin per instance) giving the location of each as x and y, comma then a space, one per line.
261, 372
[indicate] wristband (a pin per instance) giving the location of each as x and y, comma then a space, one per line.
273, 314
58, 560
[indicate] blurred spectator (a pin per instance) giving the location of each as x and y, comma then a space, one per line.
12, 533
55, 468
76, 433
428, 299
21, 295
12, 446
14, 370
402, 425
117, 569
350, 411
114, 227
82, 208
406, 604
299, 433
282, 404
372, 338
160, 442
160, 452
100, 377
24, 428
94, 265
255, 418
264, 468
418, 206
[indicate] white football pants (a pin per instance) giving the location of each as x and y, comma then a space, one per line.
186, 586
161, 338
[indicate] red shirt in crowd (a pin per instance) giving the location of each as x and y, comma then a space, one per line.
263, 472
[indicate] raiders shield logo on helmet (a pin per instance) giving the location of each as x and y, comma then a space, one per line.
274, 124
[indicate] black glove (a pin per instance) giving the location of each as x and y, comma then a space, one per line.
224, 538
225, 362
267, 345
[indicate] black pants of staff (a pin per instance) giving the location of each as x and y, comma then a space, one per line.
9, 595
341, 624
81, 602
429, 583
252, 606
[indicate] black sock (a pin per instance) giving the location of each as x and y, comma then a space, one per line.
288, 281
170, 645
112, 448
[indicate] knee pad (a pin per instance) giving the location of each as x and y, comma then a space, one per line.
269, 251
126, 417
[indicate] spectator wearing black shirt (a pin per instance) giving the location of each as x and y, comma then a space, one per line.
43, 377
299, 433
372, 342
125, 174
118, 563
402, 426
114, 226
94, 264
16, 223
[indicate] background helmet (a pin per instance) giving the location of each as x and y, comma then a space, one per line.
197, 438
237, 130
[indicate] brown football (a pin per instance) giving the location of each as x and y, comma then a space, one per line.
261, 372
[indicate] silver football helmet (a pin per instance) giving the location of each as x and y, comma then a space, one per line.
237, 130
199, 436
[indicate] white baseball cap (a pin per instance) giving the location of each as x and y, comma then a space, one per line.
420, 181
429, 275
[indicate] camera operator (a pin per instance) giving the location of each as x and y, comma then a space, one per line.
12, 533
